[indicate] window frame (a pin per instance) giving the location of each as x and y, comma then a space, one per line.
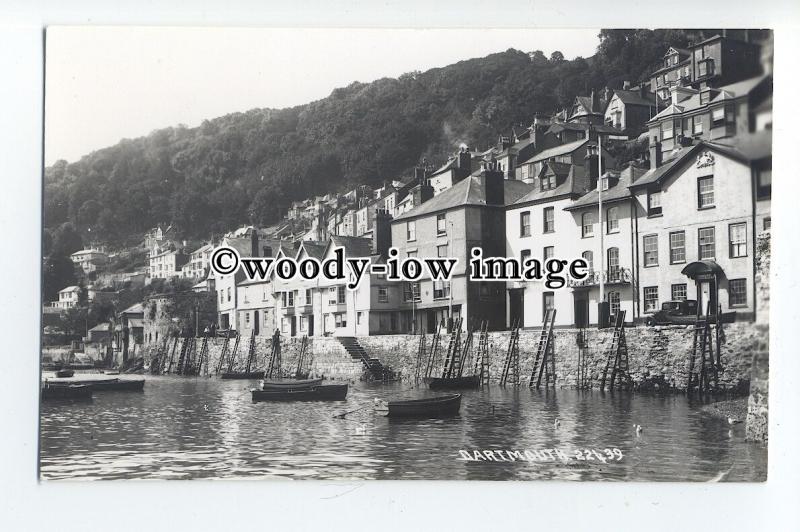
442, 217
731, 292
732, 244
551, 222
700, 194
645, 252
525, 224
657, 210
612, 230
672, 248
584, 232
645, 298
700, 243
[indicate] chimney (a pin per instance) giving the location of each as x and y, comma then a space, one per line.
626, 85
382, 233
590, 165
464, 163
655, 154
419, 175
254, 243
421, 194
493, 183
594, 102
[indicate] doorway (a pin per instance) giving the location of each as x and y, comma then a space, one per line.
516, 307
581, 311
256, 323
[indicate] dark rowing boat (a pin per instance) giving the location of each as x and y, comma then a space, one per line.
289, 384
455, 383
440, 406
327, 392
61, 373
66, 392
106, 384
242, 375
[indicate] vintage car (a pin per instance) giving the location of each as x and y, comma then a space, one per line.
675, 312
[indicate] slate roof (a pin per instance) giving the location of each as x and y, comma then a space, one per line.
72, 288
138, 308
575, 182
354, 246
747, 148
734, 90
314, 249
619, 191
562, 149
468, 191
629, 97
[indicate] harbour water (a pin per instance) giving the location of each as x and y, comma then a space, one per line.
205, 428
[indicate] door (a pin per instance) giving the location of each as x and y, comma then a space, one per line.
294, 325
430, 325
705, 298
581, 312
256, 323
311, 325
516, 307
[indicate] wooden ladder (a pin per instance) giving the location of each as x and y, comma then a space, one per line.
544, 362
251, 352
453, 351
224, 353
482, 357
187, 340
301, 357
617, 359
421, 350
274, 366
234, 352
466, 352
201, 360
434, 353
172, 355
583, 380
702, 343
511, 366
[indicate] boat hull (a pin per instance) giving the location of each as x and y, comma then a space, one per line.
244, 375
120, 385
68, 392
434, 407
328, 392
289, 384
455, 383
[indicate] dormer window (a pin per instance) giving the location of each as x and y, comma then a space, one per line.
604, 183
549, 182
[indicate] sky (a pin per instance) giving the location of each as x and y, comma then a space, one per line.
103, 84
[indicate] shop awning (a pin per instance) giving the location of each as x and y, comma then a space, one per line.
702, 268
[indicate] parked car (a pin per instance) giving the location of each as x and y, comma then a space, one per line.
675, 312
683, 313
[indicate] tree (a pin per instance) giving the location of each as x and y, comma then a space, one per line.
556, 57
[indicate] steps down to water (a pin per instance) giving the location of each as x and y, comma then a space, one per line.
355, 350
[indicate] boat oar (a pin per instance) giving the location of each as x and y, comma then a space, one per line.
343, 414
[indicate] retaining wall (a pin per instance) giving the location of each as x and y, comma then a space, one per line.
657, 355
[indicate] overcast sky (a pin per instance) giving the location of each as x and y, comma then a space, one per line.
103, 84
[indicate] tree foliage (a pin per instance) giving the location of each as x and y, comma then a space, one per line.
248, 166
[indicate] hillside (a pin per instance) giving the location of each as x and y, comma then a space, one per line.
247, 167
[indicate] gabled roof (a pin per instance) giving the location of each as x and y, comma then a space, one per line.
617, 192
72, 288
728, 92
468, 191
313, 249
575, 182
243, 245
562, 149
100, 327
138, 308
354, 246
658, 175
629, 97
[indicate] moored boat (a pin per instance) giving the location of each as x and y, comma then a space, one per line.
242, 375
455, 383
326, 392
429, 407
65, 373
66, 392
101, 383
289, 384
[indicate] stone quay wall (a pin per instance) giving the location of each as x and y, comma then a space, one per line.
657, 355
324, 356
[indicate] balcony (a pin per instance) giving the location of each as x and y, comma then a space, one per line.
612, 277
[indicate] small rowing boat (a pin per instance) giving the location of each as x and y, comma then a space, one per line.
66, 392
429, 407
242, 375
327, 392
100, 382
289, 384
455, 383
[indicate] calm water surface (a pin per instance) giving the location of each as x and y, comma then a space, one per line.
181, 428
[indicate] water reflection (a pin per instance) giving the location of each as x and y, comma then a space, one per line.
208, 428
